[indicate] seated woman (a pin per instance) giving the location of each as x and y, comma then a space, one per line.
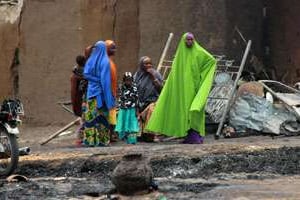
149, 85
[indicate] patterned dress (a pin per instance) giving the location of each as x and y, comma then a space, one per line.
127, 122
96, 131
100, 98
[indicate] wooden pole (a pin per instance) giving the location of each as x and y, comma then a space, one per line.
64, 106
60, 131
163, 55
217, 135
67, 109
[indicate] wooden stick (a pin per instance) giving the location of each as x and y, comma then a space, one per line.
64, 105
240, 34
65, 102
163, 55
227, 105
60, 131
67, 109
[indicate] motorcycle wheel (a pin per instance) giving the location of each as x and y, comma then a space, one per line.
10, 158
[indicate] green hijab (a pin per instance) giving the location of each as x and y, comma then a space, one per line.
181, 104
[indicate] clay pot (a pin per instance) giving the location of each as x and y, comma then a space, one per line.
132, 174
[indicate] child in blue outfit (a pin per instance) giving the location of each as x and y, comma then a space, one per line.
127, 123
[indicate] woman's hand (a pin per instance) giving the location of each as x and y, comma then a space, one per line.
150, 71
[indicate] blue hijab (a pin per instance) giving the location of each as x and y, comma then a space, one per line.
97, 72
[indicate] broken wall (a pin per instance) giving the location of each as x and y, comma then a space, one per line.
9, 41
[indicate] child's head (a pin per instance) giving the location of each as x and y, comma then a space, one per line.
80, 60
127, 78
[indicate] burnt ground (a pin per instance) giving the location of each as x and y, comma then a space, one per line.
257, 167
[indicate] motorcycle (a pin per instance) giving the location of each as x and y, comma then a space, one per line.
10, 113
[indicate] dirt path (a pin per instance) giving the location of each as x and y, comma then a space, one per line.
242, 168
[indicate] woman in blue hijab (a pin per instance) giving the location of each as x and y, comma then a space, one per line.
100, 98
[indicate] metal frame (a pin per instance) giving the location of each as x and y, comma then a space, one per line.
291, 106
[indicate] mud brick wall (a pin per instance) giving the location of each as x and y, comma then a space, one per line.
51, 38
284, 33
212, 22
50, 34
117, 20
9, 41
54, 33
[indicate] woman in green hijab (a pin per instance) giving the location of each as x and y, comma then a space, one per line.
180, 109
